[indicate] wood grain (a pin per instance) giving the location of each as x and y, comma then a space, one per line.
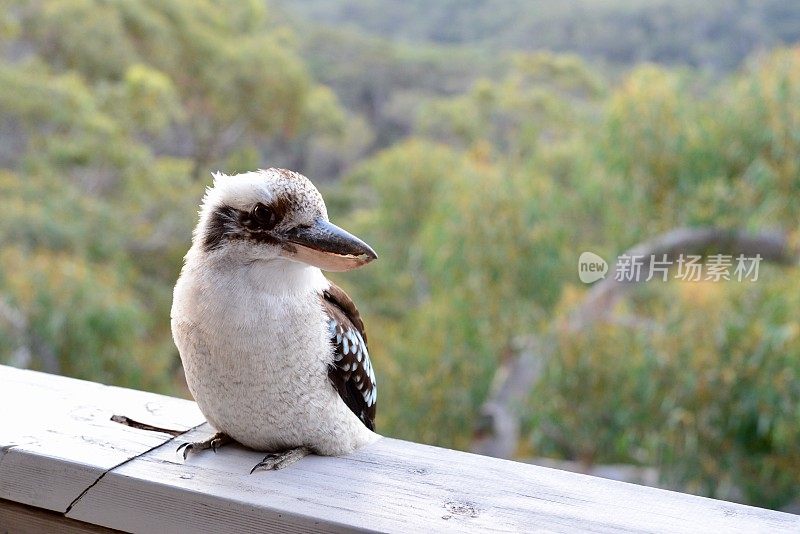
57, 437
18, 518
389, 486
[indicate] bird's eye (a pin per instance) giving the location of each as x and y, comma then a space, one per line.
264, 216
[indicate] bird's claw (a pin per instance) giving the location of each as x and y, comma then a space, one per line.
214, 442
269, 463
186, 448
278, 460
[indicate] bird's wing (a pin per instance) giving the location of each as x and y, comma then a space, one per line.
350, 372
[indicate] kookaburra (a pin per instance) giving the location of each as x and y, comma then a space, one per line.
274, 353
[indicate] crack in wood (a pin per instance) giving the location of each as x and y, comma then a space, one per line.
151, 449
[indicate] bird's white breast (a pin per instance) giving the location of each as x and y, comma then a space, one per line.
256, 356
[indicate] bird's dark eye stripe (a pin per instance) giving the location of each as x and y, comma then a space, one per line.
220, 223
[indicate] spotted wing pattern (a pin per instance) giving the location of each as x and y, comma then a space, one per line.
351, 370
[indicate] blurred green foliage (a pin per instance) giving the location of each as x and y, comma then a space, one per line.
480, 222
110, 113
715, 34
711, 396
478, 169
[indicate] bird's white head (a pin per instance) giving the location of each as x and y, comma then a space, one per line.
274, 215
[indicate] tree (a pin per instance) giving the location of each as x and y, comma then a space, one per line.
230, 75
109, 114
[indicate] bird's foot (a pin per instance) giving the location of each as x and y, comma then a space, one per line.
214, 442
278, 460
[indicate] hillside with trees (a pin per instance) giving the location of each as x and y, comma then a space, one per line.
716, 34
480, 147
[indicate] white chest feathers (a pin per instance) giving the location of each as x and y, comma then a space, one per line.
256, 357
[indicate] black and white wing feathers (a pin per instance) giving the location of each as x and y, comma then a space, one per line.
351, 370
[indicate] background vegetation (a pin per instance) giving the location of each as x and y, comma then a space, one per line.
480, 146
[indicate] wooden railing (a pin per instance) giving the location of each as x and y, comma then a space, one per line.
65, 465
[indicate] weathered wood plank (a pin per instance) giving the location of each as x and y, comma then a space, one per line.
18, 518
390, 486
56, 436
395, 486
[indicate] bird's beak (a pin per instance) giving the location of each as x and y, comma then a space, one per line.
325, 245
